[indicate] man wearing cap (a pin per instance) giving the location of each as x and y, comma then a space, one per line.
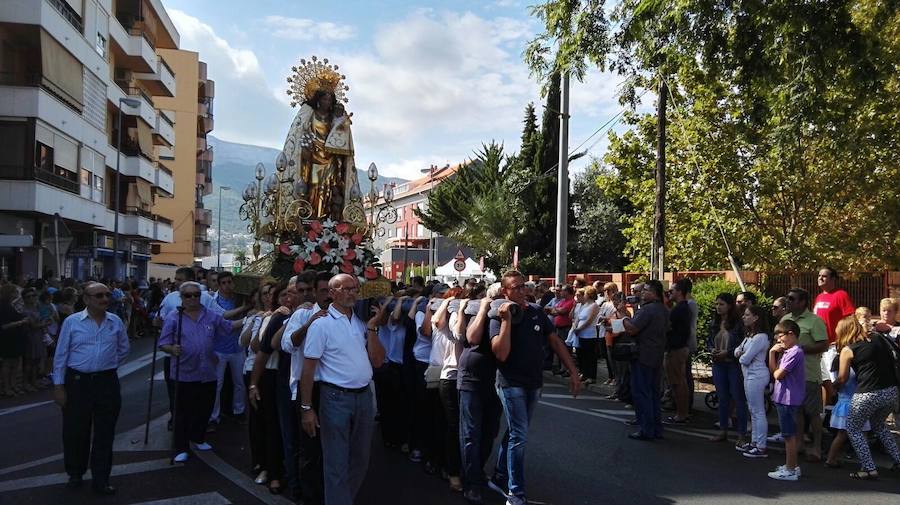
92, 344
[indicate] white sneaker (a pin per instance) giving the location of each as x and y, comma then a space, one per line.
181, 457
775, 438
201, 447
783, 473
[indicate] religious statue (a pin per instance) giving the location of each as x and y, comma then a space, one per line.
319, 144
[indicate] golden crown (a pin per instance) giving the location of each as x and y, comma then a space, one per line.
312, 76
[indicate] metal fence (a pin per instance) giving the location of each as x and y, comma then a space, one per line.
866, 289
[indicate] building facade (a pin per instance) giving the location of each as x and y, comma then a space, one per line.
407, 242
190, 162
84, 139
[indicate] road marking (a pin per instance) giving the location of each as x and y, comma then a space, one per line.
194, 499
618, 419
614, 412
60, 478
239, 479
19, 408
569, 397
31, 464
137, 363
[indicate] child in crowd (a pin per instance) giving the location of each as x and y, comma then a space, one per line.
864, 316
786, 364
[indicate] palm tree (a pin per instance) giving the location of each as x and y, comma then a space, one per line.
240, 258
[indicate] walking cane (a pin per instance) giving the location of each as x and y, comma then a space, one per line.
150, 396
177, 376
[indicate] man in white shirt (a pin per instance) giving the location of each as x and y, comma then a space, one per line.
340, 352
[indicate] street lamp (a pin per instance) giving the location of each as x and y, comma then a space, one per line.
431, 256
131, 102
219, 232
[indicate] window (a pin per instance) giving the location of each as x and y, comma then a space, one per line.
100, 45
85, 177
43, 157
99, 194
420, 231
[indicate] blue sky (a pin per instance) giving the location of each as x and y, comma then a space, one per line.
429, 80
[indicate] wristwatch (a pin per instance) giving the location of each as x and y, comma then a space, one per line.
375, 330
305, 408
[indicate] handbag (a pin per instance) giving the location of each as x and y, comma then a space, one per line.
624, 349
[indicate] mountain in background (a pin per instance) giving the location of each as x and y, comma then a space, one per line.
234, 166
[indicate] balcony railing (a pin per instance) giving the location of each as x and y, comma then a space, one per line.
20, 78
68, 14
57, 181
130, 91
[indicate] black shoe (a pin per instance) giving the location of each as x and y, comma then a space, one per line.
632, 422
74, 482
639, 436
106, 490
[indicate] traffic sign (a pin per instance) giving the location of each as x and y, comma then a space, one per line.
459, 265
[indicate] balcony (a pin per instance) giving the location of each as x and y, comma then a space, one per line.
133, 51
133, 164
204, 125
160, 82
144, 109
145, 225
163, 131
206, 155
201, 144
37, 196
162, 230
164, 182
203, 217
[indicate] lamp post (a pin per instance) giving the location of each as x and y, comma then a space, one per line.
219, 231
431, 256
131, 102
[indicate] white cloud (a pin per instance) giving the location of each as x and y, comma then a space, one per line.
246, 109
307, 29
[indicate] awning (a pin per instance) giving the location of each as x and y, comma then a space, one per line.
145, 139
61, 71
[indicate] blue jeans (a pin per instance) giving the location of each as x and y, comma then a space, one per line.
730, 387
479, 423
287, 420
645, 395
518, 405
347, 422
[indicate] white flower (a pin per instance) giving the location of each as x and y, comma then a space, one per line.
333, 256
294, 249
329, 235
357, 269
310, 246
343, 245
304, 255
335, 270
328, 224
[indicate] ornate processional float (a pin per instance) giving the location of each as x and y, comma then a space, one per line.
311, 207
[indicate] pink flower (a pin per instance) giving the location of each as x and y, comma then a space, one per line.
342, 228
285, 248
299, 265
347, 267
315, 226
312, 235
314, 258
326, 247
371, 273
356, 239
350, 255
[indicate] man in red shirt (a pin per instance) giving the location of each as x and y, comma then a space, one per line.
833, 303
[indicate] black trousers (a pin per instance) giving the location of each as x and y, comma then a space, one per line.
421, 416
389, 394
266, 448
450, 402
312, 485
587, 357
93, 402
195, 404
604, 353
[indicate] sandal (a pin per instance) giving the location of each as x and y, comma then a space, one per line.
864, 475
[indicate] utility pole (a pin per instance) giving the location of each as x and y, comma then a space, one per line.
658, 244
562, 188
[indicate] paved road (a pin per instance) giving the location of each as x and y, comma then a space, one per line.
579, 454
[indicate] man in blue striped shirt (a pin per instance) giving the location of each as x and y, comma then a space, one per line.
92, 344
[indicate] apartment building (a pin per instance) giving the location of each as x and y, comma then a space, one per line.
191, 163
76, 76
407, 242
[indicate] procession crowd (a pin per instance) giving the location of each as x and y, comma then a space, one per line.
450, 365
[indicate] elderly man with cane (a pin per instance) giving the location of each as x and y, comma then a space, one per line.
92, 344
188, 335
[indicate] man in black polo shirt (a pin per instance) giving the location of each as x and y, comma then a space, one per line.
648, 327
518, 341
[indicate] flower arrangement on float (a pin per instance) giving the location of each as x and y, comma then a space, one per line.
331, 246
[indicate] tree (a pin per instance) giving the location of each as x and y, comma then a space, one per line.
472, 208
597, 241
240, 257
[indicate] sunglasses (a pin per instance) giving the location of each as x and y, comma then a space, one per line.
190, 295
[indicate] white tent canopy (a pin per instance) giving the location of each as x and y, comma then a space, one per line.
472, 269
